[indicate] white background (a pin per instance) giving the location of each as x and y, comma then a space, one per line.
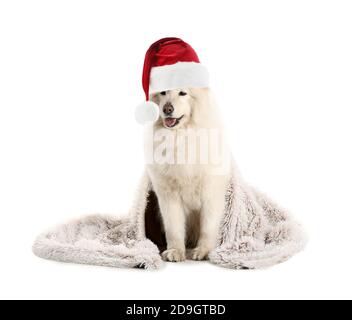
70, 74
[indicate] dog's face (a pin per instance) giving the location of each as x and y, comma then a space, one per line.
175, 107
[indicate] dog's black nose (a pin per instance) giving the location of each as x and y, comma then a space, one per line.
168, 109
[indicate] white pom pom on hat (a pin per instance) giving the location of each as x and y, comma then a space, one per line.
147, 112
170, 63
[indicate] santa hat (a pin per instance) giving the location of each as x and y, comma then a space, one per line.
170, 63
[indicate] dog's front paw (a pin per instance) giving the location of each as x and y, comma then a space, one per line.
174, 255
200, 253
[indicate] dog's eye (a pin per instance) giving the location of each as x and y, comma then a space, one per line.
163, 93
182, 93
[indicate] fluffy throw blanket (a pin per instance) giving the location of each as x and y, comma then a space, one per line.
254, 233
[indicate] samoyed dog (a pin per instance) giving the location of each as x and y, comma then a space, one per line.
189, 172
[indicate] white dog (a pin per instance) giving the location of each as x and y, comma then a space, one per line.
191, 195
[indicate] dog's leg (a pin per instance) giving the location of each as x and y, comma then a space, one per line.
213, 200
174, 224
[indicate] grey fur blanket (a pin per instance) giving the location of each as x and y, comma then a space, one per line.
254, 233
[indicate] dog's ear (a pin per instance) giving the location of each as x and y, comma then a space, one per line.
155, 98
199, 93
200, 96
203, 107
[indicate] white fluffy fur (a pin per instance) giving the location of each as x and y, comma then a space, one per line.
178, 75
254, 233
251, 231
189, 192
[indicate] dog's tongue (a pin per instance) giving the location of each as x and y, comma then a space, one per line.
170, 122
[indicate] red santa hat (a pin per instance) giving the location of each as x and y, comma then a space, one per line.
170, 63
